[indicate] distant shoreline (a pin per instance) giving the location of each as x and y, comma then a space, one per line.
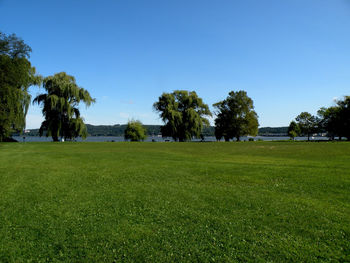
154, 130
25, 138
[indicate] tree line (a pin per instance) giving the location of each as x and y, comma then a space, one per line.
184, 113
118, 130
185, 116
334, 121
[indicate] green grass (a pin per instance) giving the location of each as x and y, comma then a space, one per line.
175, 202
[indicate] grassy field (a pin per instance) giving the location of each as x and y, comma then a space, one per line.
175, 202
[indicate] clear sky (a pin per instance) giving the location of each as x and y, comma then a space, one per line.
290, 56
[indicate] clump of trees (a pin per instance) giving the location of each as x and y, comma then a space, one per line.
134, 131
185, 116
335, 121
183, 113
60, 103
60, 107
16, 76
235, 117
308, 124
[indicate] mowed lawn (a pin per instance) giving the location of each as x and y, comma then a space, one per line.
175, 202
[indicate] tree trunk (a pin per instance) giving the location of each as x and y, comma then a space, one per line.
238, 139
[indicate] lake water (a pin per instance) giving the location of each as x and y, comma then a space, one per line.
157, 139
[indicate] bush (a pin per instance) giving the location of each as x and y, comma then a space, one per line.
292, 134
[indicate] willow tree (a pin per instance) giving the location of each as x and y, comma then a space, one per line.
235, 117
135, 131
60, 107
183, 113
16, 76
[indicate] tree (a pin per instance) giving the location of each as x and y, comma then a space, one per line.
308, 124
16, 76
293, 130
344, 117
134, 131
330, 121
183, 113
60, 107
235, 117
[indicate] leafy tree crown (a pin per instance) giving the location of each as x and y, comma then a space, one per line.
183, 113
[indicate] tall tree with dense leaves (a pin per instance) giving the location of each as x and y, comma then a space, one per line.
16, 76
330, 121
308, 124
235, 117
183, 113
344, 117
60, 107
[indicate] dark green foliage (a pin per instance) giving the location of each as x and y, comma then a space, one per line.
293, 130
151, 130
134, 131
16, 76
106, 130
235, 117
208, 130
307, 123
344, 117
183, 113
336, 119
275, 131
330, 121
14, 47
169, 202
118, 130
60, 107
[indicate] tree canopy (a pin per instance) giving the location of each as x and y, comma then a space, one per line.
308, 124
16, 76
183, 113
344, 117
330, 121
336, 119
134, 131
60, 107
293, 130
235, 117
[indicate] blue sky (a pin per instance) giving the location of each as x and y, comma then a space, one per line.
290, 56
